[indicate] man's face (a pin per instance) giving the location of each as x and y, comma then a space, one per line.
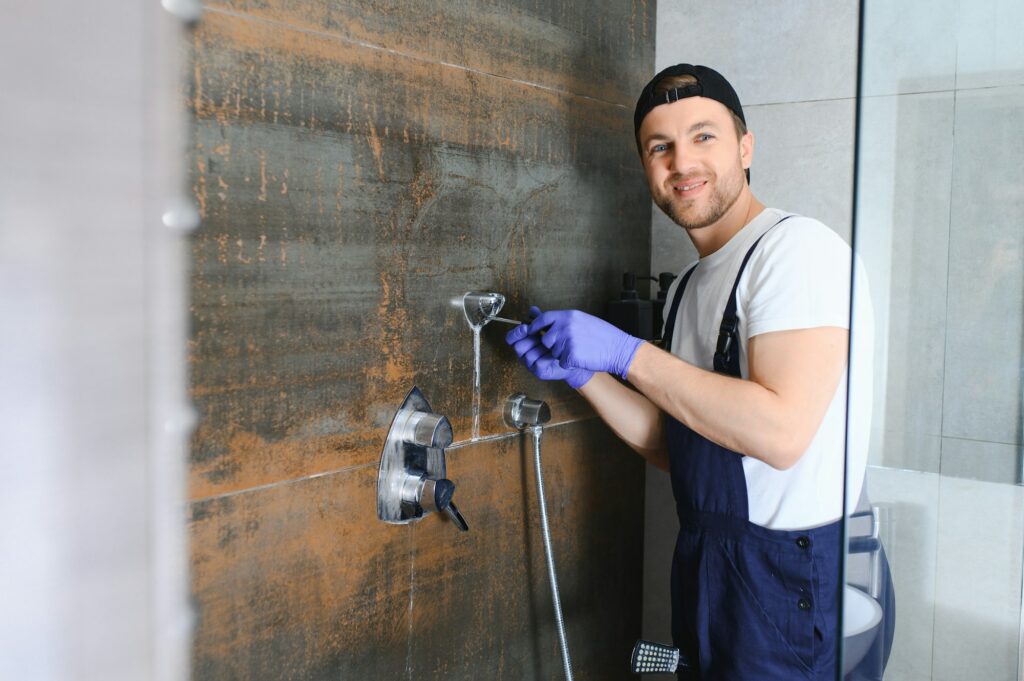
693, 161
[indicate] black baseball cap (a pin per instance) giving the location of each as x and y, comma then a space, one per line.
710, 84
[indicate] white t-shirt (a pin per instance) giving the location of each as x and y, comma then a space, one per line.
797, 278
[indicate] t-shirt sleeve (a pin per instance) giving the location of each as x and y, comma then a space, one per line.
670, 295
799, 278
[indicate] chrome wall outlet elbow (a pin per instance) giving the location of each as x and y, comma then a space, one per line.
481, 307
522, 412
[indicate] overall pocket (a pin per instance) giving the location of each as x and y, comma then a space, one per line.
762, 611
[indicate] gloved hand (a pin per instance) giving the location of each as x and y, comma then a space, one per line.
582, 341
539, 360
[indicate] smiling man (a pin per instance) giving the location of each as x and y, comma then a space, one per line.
745, 407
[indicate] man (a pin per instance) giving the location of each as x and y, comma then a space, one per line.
746, 409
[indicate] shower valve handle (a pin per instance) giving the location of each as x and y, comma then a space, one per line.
437, 496
453, 513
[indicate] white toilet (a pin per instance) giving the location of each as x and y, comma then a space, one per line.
861, 617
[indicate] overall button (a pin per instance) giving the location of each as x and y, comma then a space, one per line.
803, 542
804, 604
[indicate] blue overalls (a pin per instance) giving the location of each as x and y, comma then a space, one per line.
748, 602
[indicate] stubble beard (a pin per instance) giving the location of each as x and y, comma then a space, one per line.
723, 197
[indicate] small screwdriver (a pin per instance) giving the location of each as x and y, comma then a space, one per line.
513, 322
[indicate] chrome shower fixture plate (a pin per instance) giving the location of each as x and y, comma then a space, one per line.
411, 479
482, 307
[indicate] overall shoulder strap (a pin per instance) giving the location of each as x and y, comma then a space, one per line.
727, 360
670, 323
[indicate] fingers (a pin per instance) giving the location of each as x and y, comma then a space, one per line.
524, 345
530, 351
534, 355
544, 320
555, 341
547, 369
516, 334
550, 337
522, 330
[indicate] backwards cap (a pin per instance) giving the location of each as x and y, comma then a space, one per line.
710, 84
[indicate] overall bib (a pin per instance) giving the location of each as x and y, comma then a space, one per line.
748, 602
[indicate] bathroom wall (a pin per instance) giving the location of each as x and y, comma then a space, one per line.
794, 67
955, 546
939, 206
358, 165
945, 245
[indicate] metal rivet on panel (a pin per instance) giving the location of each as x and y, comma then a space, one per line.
182, 216
188, 11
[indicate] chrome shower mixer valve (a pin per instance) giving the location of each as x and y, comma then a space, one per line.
412, 477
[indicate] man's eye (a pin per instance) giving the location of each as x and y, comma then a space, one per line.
705, 137
658, 148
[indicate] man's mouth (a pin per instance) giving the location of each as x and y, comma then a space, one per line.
689, 188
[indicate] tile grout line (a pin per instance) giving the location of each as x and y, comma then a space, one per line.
348, 469
883, 95
460, 444
951, 437
407, 55
281, 483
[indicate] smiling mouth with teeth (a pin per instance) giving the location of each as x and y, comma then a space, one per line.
688, 187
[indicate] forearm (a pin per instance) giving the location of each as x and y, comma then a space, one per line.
630, 415
793, 377
740, 415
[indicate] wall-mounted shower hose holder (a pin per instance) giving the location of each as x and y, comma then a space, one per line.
522, 412
411, 479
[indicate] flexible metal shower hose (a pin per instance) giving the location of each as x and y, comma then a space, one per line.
546, 533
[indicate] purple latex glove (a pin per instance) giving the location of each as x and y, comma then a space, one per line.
539, 360
582, 341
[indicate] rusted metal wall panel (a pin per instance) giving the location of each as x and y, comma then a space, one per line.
598, 49
358, 165
341, 217
299, 580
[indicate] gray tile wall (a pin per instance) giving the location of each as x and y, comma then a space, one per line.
939, 228
955, 550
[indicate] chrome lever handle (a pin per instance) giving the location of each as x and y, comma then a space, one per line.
453, 513
437, 496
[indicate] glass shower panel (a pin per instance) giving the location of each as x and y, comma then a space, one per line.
939, 226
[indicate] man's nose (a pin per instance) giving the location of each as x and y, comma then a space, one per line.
681, 161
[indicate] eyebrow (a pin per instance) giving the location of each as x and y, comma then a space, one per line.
693, 128
703, 124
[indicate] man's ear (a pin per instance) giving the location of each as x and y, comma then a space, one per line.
747, 149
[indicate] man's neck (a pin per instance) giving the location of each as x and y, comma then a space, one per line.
709, 239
